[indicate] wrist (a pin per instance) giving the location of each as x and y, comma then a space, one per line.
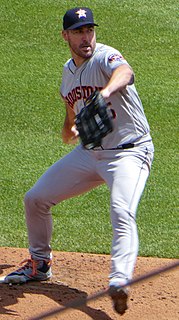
105, 93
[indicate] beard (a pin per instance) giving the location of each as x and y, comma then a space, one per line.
85, 50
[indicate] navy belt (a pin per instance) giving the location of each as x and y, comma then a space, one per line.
122, 147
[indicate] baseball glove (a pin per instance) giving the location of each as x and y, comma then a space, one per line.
94, 121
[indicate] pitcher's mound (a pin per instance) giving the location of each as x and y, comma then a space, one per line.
77, 275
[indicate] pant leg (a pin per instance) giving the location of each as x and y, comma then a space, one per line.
126, 177
68, 177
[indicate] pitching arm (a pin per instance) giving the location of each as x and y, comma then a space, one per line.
121, 77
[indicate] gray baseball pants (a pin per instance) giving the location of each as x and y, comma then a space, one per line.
124, 171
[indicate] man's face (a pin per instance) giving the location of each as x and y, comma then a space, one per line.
82, 42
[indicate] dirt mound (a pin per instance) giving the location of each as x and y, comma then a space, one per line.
77, 275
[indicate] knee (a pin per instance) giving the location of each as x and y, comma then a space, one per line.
36, 201
30, 198
122, 215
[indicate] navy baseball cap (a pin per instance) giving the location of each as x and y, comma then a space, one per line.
78, 17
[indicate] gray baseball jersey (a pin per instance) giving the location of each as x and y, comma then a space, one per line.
130, 124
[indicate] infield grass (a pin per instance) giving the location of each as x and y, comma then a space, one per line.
31, 115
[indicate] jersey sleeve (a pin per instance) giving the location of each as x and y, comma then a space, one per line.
110, 59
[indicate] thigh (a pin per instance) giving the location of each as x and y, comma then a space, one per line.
126, 176
70, 176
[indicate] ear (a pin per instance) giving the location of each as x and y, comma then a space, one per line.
65, 35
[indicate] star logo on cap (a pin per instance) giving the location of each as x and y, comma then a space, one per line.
81, 13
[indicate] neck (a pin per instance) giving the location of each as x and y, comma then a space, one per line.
78, 61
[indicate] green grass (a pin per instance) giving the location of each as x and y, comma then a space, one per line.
32, 55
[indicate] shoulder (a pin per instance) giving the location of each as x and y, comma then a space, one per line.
69, 67
67, 63
104, 49
108, 55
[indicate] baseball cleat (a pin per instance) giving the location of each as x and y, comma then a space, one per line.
119, 297
33, 270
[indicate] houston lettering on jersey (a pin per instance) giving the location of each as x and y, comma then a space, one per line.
78, 93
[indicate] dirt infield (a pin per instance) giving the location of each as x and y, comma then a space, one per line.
77, 275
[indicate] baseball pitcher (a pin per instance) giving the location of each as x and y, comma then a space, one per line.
105, 121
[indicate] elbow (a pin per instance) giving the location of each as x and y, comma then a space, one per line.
64, 140
64, 136
131, 79
130, 75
